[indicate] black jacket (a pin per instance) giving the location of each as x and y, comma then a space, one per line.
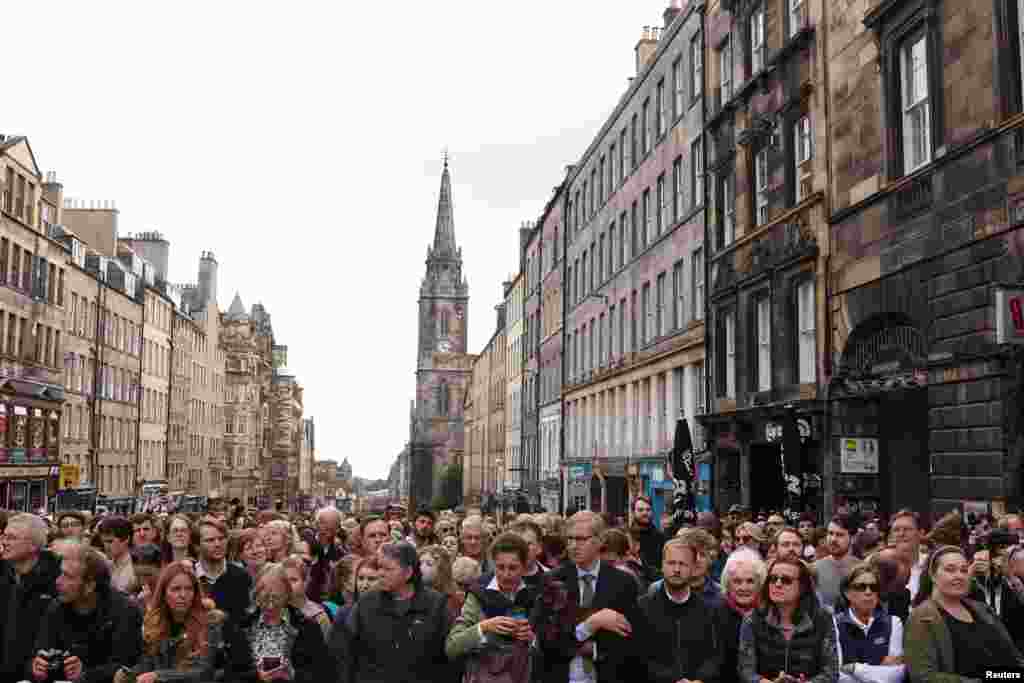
679, 640
22, 606
105, 640
728, 622
652, 541
232, 593
308, 656
615, 590
394, 641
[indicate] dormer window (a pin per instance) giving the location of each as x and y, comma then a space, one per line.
757, 40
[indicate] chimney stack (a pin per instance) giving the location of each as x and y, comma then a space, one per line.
671, 12
646, 48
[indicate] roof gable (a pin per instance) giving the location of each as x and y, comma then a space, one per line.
17, 148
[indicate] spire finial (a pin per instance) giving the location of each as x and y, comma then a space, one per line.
445, 157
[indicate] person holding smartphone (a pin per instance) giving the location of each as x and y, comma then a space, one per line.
283, 644
493, 632
789, 638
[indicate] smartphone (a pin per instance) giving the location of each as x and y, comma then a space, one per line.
270, 663
519, 613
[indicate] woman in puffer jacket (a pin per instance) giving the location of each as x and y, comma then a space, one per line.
789, 637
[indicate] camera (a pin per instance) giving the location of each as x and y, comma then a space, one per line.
54, 663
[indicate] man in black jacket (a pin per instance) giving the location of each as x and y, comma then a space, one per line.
597, 644
648, 536
28, 583
227, 584
98, 627
677, 628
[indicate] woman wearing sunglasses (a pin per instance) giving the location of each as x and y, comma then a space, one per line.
788, 638
869, 640
949, 635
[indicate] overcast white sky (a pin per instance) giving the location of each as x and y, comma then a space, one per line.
301, 142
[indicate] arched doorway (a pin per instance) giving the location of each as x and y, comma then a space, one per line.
881, 417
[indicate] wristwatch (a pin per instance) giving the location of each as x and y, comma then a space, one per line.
848, 668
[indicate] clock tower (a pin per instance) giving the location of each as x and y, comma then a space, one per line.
442, 365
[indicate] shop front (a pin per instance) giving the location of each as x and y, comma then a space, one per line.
750, 466
576, 495
30, 414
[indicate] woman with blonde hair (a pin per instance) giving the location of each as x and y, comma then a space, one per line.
278, 540
180, 634
282, 643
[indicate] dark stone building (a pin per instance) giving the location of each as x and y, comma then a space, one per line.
767, 236
927, 205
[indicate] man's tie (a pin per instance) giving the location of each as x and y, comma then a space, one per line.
586, 600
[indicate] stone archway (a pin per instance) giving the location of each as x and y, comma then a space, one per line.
882, 396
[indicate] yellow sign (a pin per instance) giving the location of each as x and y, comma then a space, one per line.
69, 477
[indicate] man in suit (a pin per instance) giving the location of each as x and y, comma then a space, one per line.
602, 604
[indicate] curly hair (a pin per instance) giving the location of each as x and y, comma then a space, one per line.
156, 625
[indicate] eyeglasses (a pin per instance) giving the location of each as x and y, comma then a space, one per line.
780, 580
68, 523
577, 539
864, 587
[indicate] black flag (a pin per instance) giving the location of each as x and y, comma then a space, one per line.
682, 467
792, 462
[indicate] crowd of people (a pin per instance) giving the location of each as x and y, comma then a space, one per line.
259, 597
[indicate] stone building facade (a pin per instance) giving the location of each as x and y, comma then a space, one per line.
634, 231
33, 303
443, 365
767, 241
549, 352
926, 194
112, 291
485, 418
511, 479
247, 373
530, 239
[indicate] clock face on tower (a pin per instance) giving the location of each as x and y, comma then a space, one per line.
444, 346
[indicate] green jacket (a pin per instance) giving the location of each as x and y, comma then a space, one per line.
464, 638
928, 646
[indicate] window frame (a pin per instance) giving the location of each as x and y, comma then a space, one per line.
725, 69
763, 342
696, 67
697, 286
761, 177
756, 39
806, 330
803, 164
895, 24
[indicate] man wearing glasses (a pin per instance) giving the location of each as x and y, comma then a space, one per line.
228, 584
28, 583
607, 599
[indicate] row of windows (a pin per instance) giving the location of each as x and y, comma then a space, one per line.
648, 218
114, 384
607, 423
627, 328
645, 130
761, 358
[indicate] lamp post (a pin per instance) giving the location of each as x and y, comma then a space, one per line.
499, 484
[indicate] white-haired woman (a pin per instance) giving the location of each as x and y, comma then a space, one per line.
742, 579
278, 539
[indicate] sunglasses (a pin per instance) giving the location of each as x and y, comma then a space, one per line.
864, 587
781, 580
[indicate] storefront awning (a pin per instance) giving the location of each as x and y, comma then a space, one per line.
33, 389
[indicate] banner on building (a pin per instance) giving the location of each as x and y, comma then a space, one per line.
69, 477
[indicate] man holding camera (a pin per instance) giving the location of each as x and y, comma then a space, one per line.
92, 630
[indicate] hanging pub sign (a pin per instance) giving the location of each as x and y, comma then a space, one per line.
1009, 315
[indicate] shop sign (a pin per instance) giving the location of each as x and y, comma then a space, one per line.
17, 472
577, 472
858, 456
69, 476
1009, 315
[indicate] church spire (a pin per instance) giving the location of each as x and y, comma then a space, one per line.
444, 233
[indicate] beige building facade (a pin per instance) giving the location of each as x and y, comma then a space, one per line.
485, 419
